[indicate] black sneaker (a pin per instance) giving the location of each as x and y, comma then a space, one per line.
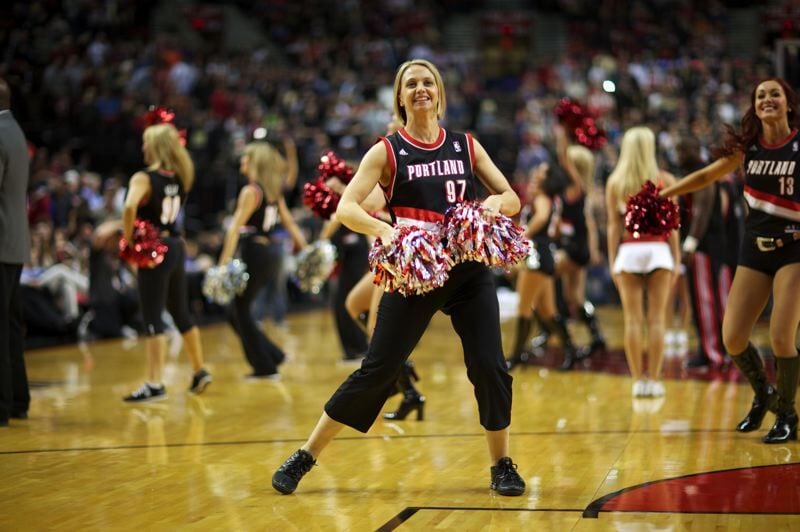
200, 381
289, 474
505, 479
146, 394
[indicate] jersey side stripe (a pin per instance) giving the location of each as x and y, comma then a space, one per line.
471, 148
389, 190
418, 214
774, 205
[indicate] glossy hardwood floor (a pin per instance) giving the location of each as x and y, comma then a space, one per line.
593, 458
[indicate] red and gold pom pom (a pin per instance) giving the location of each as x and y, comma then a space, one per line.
145, 249
319, 197
331, 165
581, 124
473, 235
648, 214
414, 264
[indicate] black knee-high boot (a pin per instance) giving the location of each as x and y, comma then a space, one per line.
587, 316
558, 325
518, 355
412, 399
540, 340
785, 427
750, 364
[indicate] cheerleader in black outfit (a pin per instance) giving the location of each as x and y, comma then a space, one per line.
156, 195
423, 170
535, 283
260, 207
578, 243
768, 148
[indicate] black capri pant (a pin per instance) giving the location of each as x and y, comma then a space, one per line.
264, 262
469, 298
165, 287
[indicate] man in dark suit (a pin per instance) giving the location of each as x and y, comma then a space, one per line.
14, 251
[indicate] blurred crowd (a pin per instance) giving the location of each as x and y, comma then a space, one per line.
85, 72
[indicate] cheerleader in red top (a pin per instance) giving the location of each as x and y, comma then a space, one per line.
767, 146
423, 170
260, 207
640, 263
157, 195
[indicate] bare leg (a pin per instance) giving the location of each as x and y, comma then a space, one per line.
746, 301
631, 291
498, 444
785, 316
321, 436
659, 287
191, 341
359, 298
156, 347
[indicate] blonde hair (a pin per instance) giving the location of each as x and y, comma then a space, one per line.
583, 161
399, 110
168, 153
637, 162
267, 166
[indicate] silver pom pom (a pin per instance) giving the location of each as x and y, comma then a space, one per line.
314, 265
223, 283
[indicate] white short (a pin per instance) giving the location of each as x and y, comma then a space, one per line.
643, 257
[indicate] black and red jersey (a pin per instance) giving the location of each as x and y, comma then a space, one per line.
162, 206
265, 218
427, 179
527, 212
572, 222
772, 187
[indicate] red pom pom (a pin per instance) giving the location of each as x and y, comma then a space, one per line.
580, 123
145, 249
472, 235
415, 263
158, 115
570, 113
647, 213
320, 198
162, 115
331, 165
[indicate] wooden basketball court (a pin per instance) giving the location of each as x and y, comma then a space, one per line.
593, 458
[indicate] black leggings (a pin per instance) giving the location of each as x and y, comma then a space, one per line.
469, 298
352, 249
165, 287
264, 262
